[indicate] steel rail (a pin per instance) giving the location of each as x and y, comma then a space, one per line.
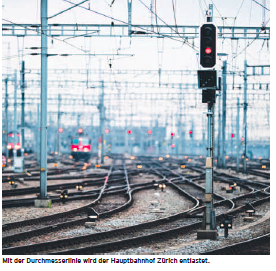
244, 247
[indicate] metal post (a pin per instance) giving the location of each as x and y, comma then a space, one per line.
232, 129
245, 115
38, 136
225, 231
224, 86
129, 16
102, 117
15, 116
131, 140
159, 75
6, 119
126, 139
152, 14
219, 163
141, 145
238, 136
58, 124
23, 112
43, 132
78, 119
209, 213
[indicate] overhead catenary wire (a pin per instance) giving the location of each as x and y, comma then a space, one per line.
261, 5
68, 9
184, 40
174, 15
238, 13
222, 18
14, 56
235, 64
123, 22
249, 44
203, 13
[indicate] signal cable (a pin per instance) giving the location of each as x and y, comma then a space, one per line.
185, 41
174, 16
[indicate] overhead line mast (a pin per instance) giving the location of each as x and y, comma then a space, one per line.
43, 201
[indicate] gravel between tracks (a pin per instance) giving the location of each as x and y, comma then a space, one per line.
147, 205
189, 245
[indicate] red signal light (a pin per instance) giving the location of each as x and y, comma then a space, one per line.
242, 138
172, 134
173, 145
208, 50
190, 132
149, 132
60, 130
106, 131
232, 135
80, 130
129, 132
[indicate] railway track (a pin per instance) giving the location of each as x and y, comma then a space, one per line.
124, 238
164, 228
164, 233
64, 220
255, 246
64, 214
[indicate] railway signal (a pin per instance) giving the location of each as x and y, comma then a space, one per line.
79, 187
12, 183
64, 195
191, 133
60, 130
149, 132
208, 40
129, 132
162, 186
226, 224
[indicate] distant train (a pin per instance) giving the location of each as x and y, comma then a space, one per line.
10, 145
81, 146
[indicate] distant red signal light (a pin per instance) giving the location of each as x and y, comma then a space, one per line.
232, 135
129, 132
106, 131
149, 132
80, 130
208, 50
190, 132
60, 130
173, 145
172, 134
242, 138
